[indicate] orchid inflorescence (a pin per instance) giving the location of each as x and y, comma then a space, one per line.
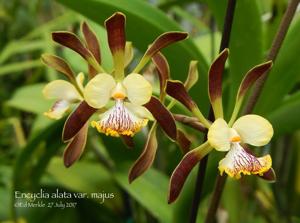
125, 104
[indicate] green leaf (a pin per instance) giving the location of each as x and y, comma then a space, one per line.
140, 15
83, 176
284, 74
283, 118
30, 99
150, 190
19, 67
34, 157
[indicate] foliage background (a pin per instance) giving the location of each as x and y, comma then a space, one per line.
30, 155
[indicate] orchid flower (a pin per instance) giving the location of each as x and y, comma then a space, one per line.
124, 102
248, 129
229, 137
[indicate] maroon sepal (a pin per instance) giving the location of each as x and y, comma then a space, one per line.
164, 118
76, 120
183, 141
128, 141
71, 41
145, 160
181, 173
163, 68
115, 26
59, 65
177, 90
215, 75
92, 44
270, 175
252, 76
75, 148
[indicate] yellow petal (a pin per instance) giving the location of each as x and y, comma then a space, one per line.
80, 80
61, 90
97, 92
254, 130
139, 90
58, 109
218, 135
140, 111
237, 161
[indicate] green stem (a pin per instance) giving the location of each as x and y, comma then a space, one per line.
276, 45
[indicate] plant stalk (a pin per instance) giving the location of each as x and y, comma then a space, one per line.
276, 45
203, 163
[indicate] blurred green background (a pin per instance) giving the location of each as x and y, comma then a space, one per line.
30, 155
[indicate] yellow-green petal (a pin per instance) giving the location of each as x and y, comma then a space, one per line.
138, 110
218, 135
139, 90
80, 80
61, 90
254, 130
97, 92
58, 109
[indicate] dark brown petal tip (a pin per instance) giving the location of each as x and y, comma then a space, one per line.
215, 76
161, 42
165, 40
77, 120
128, 141
251, 77
145, 160
163, 117
75, 148
163, 68
58, 64
183, 141
270, 176
71, 41
177, 90
115, 26
91, 40
181, 173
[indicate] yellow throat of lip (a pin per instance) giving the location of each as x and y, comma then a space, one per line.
235, 139
119, 95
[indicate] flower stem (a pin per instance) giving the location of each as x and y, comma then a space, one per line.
276, 45
278, 40
190, 121
203, 163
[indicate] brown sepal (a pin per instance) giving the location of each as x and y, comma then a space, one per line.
163, 68
75, 148
92, 44
128, 141
164, 118
58, 64
177, 90
77, 120
181, 173
71, 41
270, 175
183, 141
215, 75
115, 26
165, 40
145, 160
252, 75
